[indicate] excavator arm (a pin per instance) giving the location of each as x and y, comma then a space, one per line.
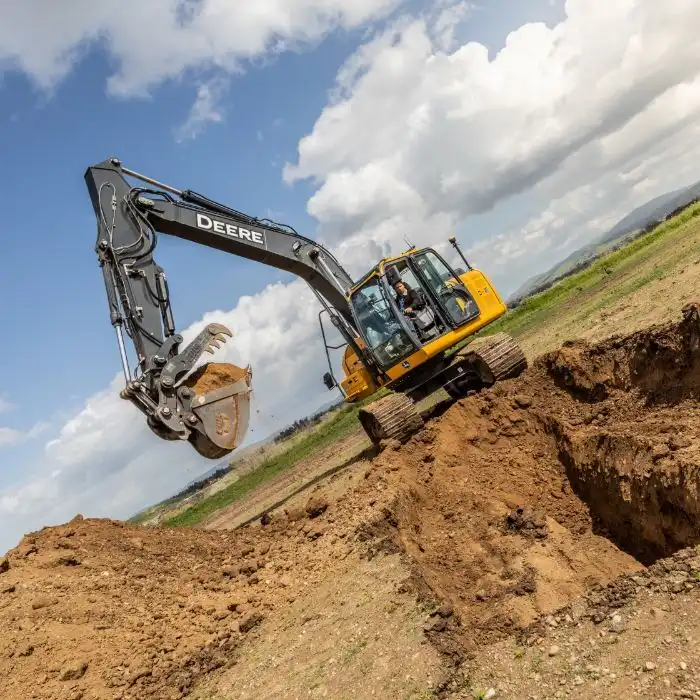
129, 219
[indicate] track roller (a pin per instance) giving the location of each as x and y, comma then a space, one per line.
391, 417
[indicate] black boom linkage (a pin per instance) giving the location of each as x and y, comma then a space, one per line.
129, 219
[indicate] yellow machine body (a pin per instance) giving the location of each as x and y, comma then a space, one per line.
359, 383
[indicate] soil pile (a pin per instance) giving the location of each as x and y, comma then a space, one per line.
524, 497
216, 375
510, 505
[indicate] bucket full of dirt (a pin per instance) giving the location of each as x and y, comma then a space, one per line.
221, 402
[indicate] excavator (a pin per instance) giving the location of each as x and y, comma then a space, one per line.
409, 353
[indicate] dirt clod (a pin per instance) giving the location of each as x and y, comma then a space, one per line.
527, 521
316, 506
249, 622
74, 671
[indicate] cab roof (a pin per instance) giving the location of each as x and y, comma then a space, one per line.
379, 268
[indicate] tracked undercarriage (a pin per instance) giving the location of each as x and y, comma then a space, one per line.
479, 365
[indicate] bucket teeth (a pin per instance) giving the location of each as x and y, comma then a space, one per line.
218, 337
216, 328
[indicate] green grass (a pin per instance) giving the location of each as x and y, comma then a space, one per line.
533, 309
338, 426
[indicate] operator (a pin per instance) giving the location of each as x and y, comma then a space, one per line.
407, 299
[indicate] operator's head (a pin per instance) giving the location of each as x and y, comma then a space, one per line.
400, 287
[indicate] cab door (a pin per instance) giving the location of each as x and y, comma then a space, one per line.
444, 284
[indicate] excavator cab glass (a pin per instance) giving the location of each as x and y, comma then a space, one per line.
437, 300
384, 334
445, 285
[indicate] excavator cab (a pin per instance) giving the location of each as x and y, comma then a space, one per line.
395, 327
417, 317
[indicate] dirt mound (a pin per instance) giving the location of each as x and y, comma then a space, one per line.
509, 506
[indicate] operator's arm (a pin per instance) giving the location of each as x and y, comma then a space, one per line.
416, 300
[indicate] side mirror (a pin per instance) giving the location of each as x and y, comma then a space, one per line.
328, 380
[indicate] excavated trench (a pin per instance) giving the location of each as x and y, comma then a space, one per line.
586, 468
632, 456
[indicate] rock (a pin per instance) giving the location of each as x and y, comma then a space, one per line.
249, 622
295, 514
4, 565
659, 452
66, 560
26, 650
554, 650
390, 444
577, 609
679, 442
491, 693
683, 665
618, 625
315, 506
522, 401
445, 610
578, 680
527, 522
315, 533
265, 519
8, 588
74, 671
649, 666
40, 603
436, 625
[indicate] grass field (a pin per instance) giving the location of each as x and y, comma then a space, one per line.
533, 310
341, 423
601, 300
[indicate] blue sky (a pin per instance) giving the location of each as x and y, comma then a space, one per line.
59, 349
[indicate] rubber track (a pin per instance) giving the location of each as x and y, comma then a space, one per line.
394, 417
501, 353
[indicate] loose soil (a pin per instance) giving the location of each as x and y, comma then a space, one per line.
555, 496
215, 375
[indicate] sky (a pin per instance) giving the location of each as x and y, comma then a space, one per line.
524, 127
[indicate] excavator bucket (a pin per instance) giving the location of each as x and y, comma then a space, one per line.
221, 403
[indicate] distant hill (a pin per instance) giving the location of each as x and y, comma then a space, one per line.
649, 214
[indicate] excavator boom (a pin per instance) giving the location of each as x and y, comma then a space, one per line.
214, 419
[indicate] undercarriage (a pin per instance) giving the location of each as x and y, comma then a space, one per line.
477, 366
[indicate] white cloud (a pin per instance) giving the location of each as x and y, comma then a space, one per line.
205, 110
106, 461
9, 436
12, 436
6, 405
418, 138
150, 42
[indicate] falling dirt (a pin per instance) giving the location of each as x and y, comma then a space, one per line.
509, 506
215, 375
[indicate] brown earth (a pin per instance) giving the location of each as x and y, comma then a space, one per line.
510, 506
215, 375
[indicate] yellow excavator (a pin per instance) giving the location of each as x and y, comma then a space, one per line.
405, 325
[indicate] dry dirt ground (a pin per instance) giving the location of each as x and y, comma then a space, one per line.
535, 540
